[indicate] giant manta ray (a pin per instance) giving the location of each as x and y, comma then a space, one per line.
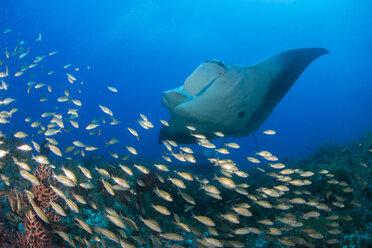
232, 99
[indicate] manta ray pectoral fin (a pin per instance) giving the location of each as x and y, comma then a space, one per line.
275, 76
283, 69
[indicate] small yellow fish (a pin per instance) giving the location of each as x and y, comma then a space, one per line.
152, 224
126, 170
134, 132
64, 180
26, 175
204, 220
142, 169
91, 126
222, 150
85, 171
108, 187
269, 132
116, 220
163, 194
232, 145
55, 150
69, 174
106, 110
20, 135
132, 150
71, 77
112, 89
161, 209
85, 226
59, 210
121, 182
72, 205
165, 123
67, 238
77, 102
24, 147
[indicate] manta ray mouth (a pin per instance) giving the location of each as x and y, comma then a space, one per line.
171, 98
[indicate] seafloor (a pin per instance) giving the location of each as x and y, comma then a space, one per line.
332, 209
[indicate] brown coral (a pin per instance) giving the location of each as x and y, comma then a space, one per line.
43, 193
37, 233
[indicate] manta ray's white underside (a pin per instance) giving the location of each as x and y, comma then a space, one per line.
232, 99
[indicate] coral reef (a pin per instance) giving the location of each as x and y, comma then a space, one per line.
35, 234
344, 190
34, 231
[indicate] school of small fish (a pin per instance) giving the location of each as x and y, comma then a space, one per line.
127, 202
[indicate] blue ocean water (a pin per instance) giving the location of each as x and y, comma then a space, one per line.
146, 47
143, 48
